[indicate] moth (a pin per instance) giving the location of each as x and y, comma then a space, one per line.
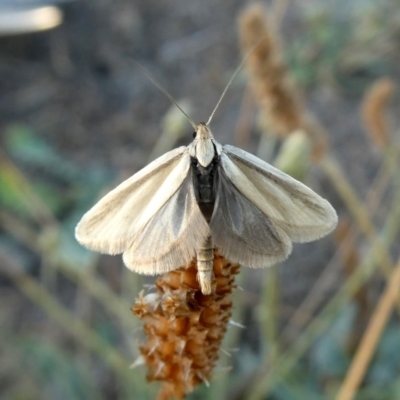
203, 196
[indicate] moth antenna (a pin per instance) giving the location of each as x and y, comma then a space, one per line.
154, 81
237, 70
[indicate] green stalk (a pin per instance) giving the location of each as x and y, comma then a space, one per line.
77, 328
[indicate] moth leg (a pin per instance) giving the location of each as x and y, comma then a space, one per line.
205, 261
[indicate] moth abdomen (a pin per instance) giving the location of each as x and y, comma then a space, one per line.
205, 261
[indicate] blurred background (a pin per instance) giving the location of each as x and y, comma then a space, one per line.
77, 117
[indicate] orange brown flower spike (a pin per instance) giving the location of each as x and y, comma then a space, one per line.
184, 328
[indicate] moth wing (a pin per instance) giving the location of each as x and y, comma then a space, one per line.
110, 225
295, 208
170, 238
242, 232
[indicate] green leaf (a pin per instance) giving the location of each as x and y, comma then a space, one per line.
61, 374
25, 146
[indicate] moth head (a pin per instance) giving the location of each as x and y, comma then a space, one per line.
203, 132
202, 147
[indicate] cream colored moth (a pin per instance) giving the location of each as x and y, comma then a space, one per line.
203, 196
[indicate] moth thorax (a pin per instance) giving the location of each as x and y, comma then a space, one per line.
205, 152
205, 262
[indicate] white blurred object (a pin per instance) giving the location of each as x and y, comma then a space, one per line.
25, 20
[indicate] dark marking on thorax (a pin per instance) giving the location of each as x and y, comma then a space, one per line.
204, 182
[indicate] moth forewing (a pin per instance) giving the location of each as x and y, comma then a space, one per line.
171, 237
247, 188
242, 233
298, 210
109, 225
165, 190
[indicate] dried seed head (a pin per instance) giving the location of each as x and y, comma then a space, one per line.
278, 100
373, 110
184, 327
281, 108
